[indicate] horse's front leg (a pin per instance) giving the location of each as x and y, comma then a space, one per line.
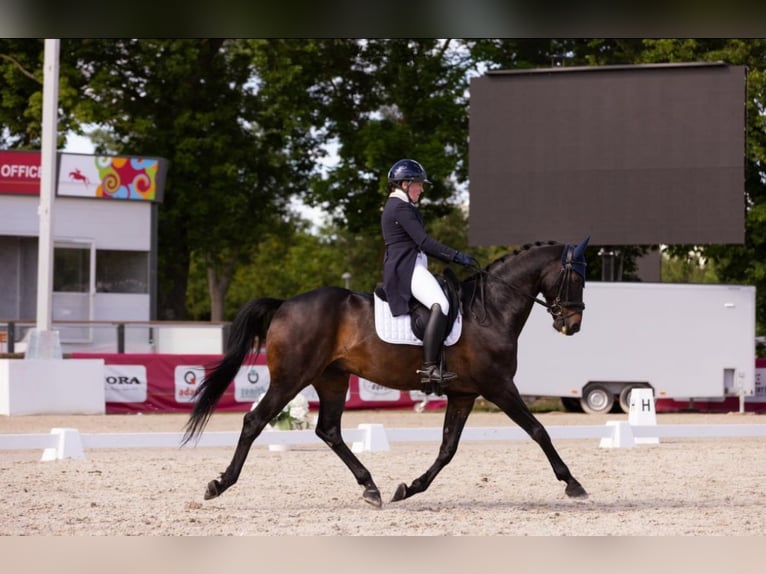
331, 405
253, 424
458, 409
510, 402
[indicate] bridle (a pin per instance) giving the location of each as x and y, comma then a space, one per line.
569, 265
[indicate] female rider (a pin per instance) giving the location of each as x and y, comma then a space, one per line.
405, 266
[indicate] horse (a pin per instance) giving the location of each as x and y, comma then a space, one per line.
322, 336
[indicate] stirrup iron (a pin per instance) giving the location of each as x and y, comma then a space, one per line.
434, 380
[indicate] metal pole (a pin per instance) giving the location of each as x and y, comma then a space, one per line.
44, 343
47, 184
741, 386
11, 337
121, 338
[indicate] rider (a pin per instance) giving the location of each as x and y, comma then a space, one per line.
405, 266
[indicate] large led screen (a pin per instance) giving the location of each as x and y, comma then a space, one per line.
629, 155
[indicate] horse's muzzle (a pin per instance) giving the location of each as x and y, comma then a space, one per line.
568, 323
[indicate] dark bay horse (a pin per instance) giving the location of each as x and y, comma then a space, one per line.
320, 337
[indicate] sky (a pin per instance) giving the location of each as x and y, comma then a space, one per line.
78, 144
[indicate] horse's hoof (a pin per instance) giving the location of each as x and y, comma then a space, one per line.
575, 490
372, 496
401, 493
212, 490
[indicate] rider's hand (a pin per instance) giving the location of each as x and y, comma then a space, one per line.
464, 259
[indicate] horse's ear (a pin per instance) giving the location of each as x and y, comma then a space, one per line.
578, 257
579, 252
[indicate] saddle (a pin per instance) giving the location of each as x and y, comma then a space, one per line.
419, 313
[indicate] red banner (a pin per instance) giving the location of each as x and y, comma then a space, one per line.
159, 383
20, 172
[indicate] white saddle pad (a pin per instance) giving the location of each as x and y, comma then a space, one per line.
398, 330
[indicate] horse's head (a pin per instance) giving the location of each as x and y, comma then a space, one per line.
562, 286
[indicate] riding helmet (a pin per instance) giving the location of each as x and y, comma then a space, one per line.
407, 170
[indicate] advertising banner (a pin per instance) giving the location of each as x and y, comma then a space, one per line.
20, 172
162, 383
111, 177
88, 176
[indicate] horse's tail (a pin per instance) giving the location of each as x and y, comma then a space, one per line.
248, 331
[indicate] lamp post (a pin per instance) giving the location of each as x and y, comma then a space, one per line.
346, 279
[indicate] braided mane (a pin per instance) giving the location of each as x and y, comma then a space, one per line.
515, 252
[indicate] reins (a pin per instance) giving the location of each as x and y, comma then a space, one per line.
556, 308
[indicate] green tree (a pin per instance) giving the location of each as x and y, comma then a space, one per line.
384, 100
215, 110
21, 92
289, 264
687, 269
290, 260
375, 101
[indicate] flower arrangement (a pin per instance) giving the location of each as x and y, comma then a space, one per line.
295, 415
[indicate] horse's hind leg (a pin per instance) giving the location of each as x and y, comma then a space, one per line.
252, 425
511, 403
332, 398
458, 409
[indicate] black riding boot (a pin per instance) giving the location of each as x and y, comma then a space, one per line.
432, 377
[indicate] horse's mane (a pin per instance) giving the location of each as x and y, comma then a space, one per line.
524, 248
474, 286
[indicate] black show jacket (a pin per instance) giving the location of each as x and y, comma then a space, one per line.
405, 235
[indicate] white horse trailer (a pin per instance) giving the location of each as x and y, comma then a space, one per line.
683, 341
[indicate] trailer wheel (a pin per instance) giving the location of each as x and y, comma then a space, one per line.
625, 396
596, 399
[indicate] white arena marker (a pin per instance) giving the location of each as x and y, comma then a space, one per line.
69, 445
642, 413
375, 439
621, 437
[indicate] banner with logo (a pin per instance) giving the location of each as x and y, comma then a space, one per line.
111, 177
89, 176
160, 383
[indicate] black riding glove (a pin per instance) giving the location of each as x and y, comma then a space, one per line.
464, 259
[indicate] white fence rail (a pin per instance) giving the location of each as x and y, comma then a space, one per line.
63, 443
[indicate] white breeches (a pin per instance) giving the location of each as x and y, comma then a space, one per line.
425, 288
